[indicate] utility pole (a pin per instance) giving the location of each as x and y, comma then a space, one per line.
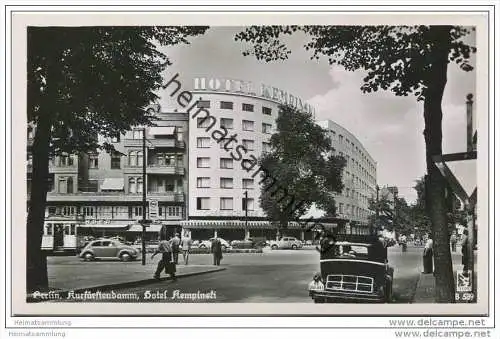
144, 201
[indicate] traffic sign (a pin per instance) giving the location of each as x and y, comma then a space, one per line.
153, 209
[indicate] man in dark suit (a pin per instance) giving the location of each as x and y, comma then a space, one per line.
216, 250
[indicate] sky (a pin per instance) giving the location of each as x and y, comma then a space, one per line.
389, 127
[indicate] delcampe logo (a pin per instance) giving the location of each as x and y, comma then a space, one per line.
464, 281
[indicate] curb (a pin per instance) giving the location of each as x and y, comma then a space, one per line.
64, 293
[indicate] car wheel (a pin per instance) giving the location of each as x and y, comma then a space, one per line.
294, 247
88, 257
223, 247
274, 247
203, 246
125, 257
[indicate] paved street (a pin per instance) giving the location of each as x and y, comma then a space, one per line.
274, 276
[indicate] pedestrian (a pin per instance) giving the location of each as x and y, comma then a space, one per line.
186, 243
403, 242
167, 261
428, 257
465, 251
176, 241
216, 250
453, 242
316, 284
326, 247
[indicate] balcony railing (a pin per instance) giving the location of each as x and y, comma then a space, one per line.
56, 169
165, 169
170, 143
113, 196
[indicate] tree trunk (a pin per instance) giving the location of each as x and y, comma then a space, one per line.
435, 183
36, 259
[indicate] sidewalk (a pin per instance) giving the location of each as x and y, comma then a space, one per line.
71, 274
424, 293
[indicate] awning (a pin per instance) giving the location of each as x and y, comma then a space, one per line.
104, 225
240, 224
115, 184
151, 228
162, 130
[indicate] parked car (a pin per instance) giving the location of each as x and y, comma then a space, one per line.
208, 244
355, 269
286, 243
108, 249
249, 243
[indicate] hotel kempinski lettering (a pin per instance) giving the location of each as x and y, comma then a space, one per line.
249, 88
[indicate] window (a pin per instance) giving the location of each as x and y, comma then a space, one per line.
226, 163
174, 211
137, 134
266, 110
65, 160
266, 128
227, 123
226, 203
135, 158
135, 185
132, 188
204, 122
203, 142
52, 210
49, 229
248, 144
116, 161
226, 182
247, 107
203, 104
203, 162
138, 211
88, 211
180, 133
203, 182
341, 139
68, 210
202, 203
247, 204
247, 125
93, 161
223, 143
247, 183
226, 105
266, 147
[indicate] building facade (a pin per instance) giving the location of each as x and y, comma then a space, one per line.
220, 185
102, 193
359, 177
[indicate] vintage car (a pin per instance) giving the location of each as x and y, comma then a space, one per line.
354, 269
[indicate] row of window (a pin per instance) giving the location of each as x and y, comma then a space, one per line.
353, 210
204, 182
352, 193
351, 146
226, 204
204, 142
230, 106
228, 123
111, 212
136, 158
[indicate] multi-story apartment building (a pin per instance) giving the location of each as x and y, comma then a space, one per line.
359, 177
101, 194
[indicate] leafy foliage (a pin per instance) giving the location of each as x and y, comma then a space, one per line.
303, 163
96, 80
396, 58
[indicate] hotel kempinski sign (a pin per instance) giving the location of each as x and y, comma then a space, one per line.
249, 88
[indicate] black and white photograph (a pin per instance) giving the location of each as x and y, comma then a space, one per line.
224, 164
